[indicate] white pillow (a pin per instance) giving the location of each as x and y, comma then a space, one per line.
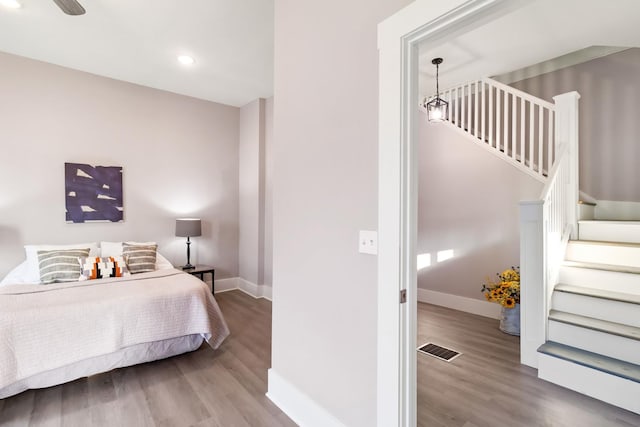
115, 249
19, 276
33, 273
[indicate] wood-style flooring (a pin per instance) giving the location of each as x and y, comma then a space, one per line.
222, 388
485, 387
488, 387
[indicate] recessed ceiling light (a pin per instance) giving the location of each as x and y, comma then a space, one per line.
186, 60
11, 4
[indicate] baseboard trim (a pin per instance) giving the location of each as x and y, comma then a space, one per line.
456, 302
302, 410
249, 288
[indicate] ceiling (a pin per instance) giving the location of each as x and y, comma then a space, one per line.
232, 41
533, 34
138, 41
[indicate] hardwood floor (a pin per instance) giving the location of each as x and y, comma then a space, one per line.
487, 386
221, 388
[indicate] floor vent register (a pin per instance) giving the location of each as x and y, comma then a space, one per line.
439, 352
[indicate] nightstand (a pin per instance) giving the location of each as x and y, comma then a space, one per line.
200, 270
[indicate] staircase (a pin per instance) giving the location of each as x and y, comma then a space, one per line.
580, 280
593, 339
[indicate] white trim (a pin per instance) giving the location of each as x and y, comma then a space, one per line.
456, 302
302, 410
249, 288
425, 23
256, 291
224, 285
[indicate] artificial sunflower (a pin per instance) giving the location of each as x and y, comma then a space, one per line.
505, 291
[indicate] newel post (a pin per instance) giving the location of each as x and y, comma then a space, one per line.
567, 122
533, 299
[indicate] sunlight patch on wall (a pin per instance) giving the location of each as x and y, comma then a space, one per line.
444, 255
424, 261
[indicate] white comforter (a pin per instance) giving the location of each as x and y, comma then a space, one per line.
43, 327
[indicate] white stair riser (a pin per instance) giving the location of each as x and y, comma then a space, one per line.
598, 308
614, 346
609, 388
614, 281
603, 253
606, 231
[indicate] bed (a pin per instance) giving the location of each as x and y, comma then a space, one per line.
55, 333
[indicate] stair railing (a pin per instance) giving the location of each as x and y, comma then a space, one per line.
510, 123
545, 227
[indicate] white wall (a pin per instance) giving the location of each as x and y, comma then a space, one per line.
325, 190
179, 157
251, 187
267, 260
609, 126
468, 203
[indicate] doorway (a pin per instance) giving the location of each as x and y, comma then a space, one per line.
422, 22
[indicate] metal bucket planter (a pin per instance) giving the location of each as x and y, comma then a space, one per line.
510, 320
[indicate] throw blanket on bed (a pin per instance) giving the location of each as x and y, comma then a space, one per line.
43, 327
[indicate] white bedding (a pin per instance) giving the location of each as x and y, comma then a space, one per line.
139, 353
48, 327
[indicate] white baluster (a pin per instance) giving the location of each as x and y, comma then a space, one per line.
475, 109
490, 136
506, 125
498, 115
523, 154
514, 128
483, 109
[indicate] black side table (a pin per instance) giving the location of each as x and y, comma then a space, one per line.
200, 270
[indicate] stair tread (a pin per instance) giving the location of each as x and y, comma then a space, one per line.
599, 325
604, 243
598, 293
600, 266
602, 363
612, 221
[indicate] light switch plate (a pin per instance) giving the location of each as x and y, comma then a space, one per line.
368, 242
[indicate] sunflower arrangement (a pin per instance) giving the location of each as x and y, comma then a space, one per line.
506, 290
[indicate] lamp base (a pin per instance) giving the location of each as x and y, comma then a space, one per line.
188, 267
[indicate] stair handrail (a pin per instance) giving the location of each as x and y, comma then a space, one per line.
512, 124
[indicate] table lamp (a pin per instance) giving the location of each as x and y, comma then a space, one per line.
188, 227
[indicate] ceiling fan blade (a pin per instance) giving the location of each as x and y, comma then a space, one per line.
70, 7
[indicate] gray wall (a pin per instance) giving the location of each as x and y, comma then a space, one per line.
267, 260
251, 188
179, 154
325, 189
468, 203
609, 125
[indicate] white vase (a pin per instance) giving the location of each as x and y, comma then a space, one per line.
510, 320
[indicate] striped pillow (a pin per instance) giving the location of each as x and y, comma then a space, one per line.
139, 258
102, 267
60, 265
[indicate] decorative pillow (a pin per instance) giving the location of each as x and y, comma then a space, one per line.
31, 252
139, 258
102, 267
60, 265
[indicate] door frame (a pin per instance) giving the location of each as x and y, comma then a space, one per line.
423, 22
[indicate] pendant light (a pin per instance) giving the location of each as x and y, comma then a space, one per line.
437, 108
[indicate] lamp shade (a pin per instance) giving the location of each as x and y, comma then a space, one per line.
188, 227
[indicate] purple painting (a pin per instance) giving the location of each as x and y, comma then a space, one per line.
93, 193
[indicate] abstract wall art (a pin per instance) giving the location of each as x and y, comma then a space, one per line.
93, 193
